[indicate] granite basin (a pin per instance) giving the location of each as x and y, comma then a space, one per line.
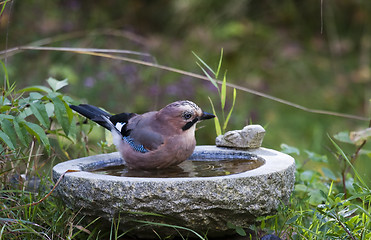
203, 204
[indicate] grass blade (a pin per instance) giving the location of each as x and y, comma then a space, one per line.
216, 120
171, 226
223, 93
80, 229
212, 80
220, 64
230, 111
4, 67
203, 63
350, 164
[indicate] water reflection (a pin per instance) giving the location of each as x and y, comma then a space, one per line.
189, 168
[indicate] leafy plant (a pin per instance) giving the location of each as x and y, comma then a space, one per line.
222, 91
46, 105
319, 208
33, 118
358, 139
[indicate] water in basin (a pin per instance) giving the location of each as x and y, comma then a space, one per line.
189, 168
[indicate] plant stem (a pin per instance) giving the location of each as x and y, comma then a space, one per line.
343, 226
352, 161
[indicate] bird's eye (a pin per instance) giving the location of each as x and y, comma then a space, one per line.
187, 115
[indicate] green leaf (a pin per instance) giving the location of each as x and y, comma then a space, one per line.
21, 131
49, 109
315, 194
60, 112
56, 85
216, 120
301, 188
39, 110
3, 65
328, 173
292, 219
223, 93
240, 231
231, 110
220, 64
69, 111
289, 149
36, 88
5, 116
73, 131
5, 108
6, 140
231, 225
4, 101
212, 80
38, 132
357, 188
343, 137
203, 63
8, 129
323, 194
25, 113
316, 157
35, 96
308, 175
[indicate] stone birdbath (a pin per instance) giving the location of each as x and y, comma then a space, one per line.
218, 186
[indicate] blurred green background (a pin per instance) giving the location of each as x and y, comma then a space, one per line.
276, 47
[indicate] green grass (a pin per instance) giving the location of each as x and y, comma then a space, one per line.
270, 50
318, 209
326, 204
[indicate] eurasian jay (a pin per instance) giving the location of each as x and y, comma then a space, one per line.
152, 140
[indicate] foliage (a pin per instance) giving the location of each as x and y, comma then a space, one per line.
30, 118
48, 106
220, 129
320, 207
42, 113
278, 44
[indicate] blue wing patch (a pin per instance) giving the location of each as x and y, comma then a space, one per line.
134, 145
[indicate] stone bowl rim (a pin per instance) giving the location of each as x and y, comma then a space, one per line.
274, 162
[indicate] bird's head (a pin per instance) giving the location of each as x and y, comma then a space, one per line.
184, 114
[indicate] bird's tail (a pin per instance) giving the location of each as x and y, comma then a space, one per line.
94, 113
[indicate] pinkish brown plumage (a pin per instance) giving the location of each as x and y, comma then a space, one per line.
152, 140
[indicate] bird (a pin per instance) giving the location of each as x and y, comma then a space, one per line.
152, 140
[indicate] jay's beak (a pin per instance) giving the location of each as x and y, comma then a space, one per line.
206, 115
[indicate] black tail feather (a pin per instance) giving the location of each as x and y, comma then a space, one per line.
93, 113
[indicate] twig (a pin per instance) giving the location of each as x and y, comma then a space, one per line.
28, 163
321, 17
66, 49
352, 161
179, 71
356, 153
245, 89
45, 197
